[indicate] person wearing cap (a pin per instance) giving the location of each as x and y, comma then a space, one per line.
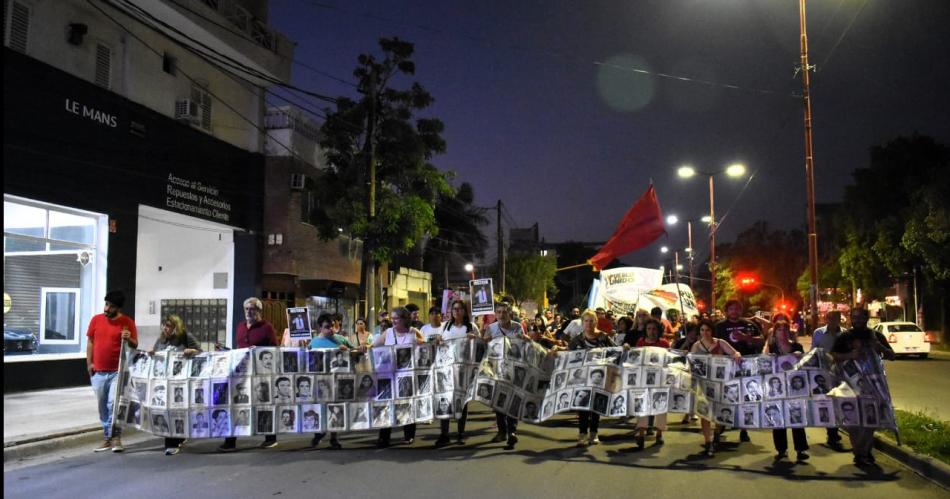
104, 337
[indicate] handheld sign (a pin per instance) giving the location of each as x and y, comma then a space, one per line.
483, 297
298, 322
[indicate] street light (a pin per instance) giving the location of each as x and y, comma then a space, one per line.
734, 170
672, 219
471, 269
664, 249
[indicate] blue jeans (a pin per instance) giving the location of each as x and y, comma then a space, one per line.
104, 385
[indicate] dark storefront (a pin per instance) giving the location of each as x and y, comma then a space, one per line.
72, 144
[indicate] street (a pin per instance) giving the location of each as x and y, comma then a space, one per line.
537, 468
919, 385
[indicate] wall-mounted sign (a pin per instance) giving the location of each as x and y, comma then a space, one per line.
192, 196
88, 112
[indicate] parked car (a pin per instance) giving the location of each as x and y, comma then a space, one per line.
18, 341
905, 338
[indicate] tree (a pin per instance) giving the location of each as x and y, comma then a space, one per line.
776, 257
407, 184
529, 275
460, 234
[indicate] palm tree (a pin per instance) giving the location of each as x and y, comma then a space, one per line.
460, 235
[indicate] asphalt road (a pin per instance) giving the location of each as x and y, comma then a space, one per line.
537, 468
921, 384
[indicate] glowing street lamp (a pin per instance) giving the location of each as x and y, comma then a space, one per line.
470, 269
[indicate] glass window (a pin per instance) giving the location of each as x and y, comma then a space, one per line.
24, 220
60, 315
72, 228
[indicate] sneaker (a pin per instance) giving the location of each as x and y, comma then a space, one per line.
268, 444
408, 441
171, 451
227, 448
659, 440
335, 444
104, 446
500, 437
117, 445
836, 446
382, 443
512, 440
708, 451
744, 436
594, 440
442, 441
582, 440
802, 456
640, 442
781, 455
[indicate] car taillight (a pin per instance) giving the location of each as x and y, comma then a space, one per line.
928, 338
892, 338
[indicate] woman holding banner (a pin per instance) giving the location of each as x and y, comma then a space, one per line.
401, 333
460, 327
780, 342
591, 337
654, 329
174, 336
710, 345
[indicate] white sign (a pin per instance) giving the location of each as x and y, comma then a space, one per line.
483, 297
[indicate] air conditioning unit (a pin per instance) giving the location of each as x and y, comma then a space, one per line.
189, 111
298, 181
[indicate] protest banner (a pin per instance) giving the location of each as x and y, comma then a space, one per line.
483, 297
298, 323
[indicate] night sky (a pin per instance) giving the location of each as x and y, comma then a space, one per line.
558, 108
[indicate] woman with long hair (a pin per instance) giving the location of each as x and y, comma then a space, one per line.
710, 345
653, 338
459, 327
781, 342
401, 333
174, 336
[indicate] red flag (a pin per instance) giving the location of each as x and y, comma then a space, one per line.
642, 225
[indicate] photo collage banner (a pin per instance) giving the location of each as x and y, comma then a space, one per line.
268, 390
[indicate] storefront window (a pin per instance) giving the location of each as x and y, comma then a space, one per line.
53, 270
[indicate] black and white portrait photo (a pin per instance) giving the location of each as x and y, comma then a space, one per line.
444, 355
847, 411
423, 384
720, 367
404, 386
785, 363
638, 402
260, 389
765, 364
869, 412
559, 380
323, 388
220, 394
178, 362
654, 356
241, 421
158, 394
159, 424
264, 419
531, 410
382, 414
597, 376
336, 417
265, 361
580, 399
283, 389
339, 361
594, 356
485, 391
613, 355
501, 399
680, 401
310, 420
519, 375
823, 413
775, 386
443, 406
632, 378
365, 387
773, 416
725, 414
618, 405
298, 323
404, 412
303, 388
730, 391
240, 391
199, 392
220, 423
820, 383
444, 381
403, 358
601, 402
423, 408
200, 365
796, 413
747, 367
748, 416
424, 356
384, 388
797, 383
290, 360
633, 357
200, 425
575, 358
547, 407
563, 401
240, 362
752, 389
179, 394
345, 388
660, 400
178, 422
850, 368
651, 376
359, 415
514, 349
221, 364
139, 364
699, 365
577, 376
316, 362
159, 362
133, 415
496, 349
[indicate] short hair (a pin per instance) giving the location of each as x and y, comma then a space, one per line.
833, 313
258, 304
600, 310
731, 302
310, 414
658, 324
434, 310
656, 311
403, 313
324, 318
260, 356
116, 298
412, 307
301, 380
282, 378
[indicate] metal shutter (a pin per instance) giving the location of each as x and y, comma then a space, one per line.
19, 28
103, 65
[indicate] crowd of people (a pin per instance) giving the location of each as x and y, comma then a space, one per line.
733, 336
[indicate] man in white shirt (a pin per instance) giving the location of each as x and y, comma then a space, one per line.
824, 338
434, 327
574, 327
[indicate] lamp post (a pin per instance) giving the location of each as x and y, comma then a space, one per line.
470, 269
809, 171
734, 170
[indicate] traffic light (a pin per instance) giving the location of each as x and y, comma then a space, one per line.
747, 281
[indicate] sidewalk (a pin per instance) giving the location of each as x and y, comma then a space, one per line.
45, 414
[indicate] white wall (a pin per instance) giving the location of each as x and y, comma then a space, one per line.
189, 251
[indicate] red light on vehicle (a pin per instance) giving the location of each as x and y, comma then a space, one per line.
928, 338
892, 338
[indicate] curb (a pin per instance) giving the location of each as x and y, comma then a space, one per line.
925, 466
37, 446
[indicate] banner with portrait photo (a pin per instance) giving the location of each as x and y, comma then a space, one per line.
298, 323
483, 297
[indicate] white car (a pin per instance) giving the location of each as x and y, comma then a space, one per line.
905, 338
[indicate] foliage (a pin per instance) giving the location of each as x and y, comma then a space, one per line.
529, 275
407, 183
726, 288
775, 257
925, 434
460, 234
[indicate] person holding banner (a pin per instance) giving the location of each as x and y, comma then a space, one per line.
458, 328
253, 331
361, 336
710, 345
431, 330
590, 337
401, 333
654, 330
824, 338
744, 335
326, 338
504, 327
781, 343
104, 343
175, 337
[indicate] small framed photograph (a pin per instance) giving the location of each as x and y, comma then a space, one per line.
654, 356
283, 391
885, 414
424, 384
316, 361
502, 395
748, 366
765, 364
139, 364
384, 388
336, 417
712, 390
200, 426
201, 365
597, 376
365, 387
519, 372
547, 407
594, 356
652, 376
638, 402
775, 386
444, 354
849, 368
618, 404
444, 379
601, 402
303, 388
531, 411
659, 400
748, 416
382, 414
241, 421
577, 376
820, 382
814, 359
361, 363
178, 422
633, 358
158, 394
670, 378
632, 378
581, 399
220, 392
796, 412
725, 414
346, 387
484, 392
514, 349
443, 406
159, 364
359, 415
323, 388
424, 356
823, 413
241, 362
559, 380
563, 403
404, 412
405, 388
264, 420
298, 323
721, 368
773, 414
339, 361
177, 367
383, 359
241, 390
179, 394
752, 389
290, 360
134, 414
699, 365
575, 358
677, 358
199, 392
730, 391
159, 423
869, 412
680, 401
403, 358
797, 383
261, 390
265, 361
785, 363
221, 364
311, 418
221, 422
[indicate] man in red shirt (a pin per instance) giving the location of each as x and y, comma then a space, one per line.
252, 332
104, 339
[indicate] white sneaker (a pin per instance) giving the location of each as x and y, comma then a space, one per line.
582, 440
594, 440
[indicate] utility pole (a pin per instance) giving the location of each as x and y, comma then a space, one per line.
370, 147
501, 251
809, 172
